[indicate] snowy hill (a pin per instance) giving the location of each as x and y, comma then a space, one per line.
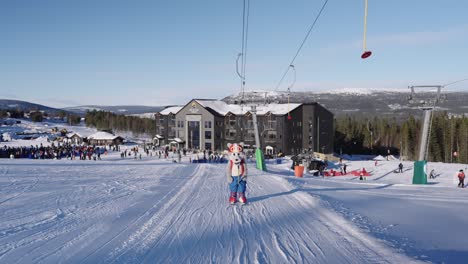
8, 104
153, 210
366, 102
117, 109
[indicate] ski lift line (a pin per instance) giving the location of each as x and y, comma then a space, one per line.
364, 48
365, 53
237, 67
289, 91
302, 44
445, 85
243, 53
246, 38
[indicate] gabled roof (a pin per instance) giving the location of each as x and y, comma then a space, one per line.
101, 135
223, 108
178, 140
71, 134
171, 110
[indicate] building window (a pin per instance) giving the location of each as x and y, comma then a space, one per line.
230, 134
270, 136
231, 121
207, 145
207, 124
207, 134
161, 120
172, 121
270, 124
250, 135
219, 123
250, 124
218, 135
172, 132
180, 123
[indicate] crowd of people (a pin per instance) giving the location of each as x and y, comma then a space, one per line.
62, 151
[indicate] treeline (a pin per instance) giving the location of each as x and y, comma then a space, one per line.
382, 136
103, 120
39, 116
11, 113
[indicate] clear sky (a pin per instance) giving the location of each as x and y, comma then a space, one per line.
154, 52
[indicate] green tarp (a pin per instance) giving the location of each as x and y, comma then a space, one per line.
260, 160
419, 174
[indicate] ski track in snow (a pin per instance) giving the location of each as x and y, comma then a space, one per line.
156, 211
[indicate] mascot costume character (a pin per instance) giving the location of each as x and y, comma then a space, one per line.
236, 173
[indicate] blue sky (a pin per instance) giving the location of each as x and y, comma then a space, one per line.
66, 53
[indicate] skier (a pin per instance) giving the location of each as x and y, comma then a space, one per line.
236, 172
400, 168
461, 178
432, 174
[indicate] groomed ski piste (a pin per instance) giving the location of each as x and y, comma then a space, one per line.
157, 211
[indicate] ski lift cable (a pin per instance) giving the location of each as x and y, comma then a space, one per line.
241, 72
289, 90
302, 44
365, 27
366, 53
246, 39
445, 85
242, 56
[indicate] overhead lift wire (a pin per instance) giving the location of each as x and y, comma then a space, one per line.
302, 45
445, 85
243, 54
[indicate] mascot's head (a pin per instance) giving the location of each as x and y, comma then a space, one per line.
236, 153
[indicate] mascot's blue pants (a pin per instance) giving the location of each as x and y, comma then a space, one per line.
237, 185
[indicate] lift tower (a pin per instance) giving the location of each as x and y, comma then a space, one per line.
426, 99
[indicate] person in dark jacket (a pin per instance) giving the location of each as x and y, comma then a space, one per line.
400, 168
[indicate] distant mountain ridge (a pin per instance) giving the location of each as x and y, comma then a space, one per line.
8, 104
363, 102
117, 109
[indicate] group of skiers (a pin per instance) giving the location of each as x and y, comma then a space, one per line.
61, 151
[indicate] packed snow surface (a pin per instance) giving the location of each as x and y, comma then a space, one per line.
157, 211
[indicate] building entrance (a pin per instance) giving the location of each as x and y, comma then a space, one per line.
194, 134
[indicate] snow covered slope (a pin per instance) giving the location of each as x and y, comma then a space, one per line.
150, 210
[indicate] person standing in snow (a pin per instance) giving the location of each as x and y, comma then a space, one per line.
400, 168
432, 174
236, 172
461, 178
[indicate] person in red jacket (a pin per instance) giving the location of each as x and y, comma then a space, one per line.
461, 178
